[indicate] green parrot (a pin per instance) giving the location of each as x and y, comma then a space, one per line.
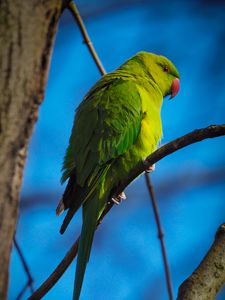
117, 125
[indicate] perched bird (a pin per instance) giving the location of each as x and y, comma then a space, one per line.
116, 126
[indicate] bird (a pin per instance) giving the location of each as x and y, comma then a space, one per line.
116, 126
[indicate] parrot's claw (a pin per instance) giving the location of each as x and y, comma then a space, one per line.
150, 169
122, 196
117, 200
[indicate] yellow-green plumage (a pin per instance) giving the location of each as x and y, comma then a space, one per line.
117, 125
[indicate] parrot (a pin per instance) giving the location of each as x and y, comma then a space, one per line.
116, 126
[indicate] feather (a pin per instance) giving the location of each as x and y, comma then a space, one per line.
60, 208
90, 218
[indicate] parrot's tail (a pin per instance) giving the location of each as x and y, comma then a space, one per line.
68, 218
72, 199
91, 211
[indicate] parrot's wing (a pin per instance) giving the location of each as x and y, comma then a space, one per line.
107, 124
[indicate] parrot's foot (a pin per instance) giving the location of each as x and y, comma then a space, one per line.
117, 200
150, 168
60, 208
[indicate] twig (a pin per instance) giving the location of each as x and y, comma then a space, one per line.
26, 269
160, 235
73, 9
209, 276
188, 139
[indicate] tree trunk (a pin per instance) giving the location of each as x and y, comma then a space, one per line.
209, 277
27, 30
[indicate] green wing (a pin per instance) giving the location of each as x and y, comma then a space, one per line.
107, 124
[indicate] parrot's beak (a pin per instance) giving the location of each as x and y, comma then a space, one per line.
175, 88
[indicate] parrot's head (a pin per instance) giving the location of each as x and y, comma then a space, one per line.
162, 71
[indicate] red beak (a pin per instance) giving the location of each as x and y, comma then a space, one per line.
175, 87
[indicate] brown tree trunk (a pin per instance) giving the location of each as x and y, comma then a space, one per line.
27, 29
209, 277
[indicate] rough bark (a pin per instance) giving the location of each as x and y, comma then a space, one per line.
27, 30
205, 282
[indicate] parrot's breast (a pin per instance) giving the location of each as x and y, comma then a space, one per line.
149, 136
151, 125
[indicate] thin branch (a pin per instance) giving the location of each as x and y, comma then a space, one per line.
179, 143
73, 9
160, 235
209, 277
30, 281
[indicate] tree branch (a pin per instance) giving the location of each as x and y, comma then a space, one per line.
160, 236
73, 9
179, 143
209, 276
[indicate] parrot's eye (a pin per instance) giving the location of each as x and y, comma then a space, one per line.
165, 69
